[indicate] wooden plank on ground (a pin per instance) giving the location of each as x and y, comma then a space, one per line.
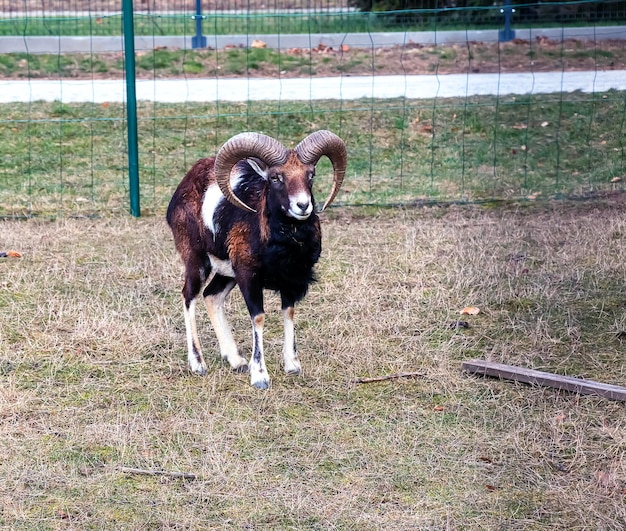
533, 377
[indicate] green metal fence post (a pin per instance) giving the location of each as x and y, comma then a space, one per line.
131, 106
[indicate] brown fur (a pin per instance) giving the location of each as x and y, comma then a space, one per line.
296, 179
239, 250
264, 226
191, 190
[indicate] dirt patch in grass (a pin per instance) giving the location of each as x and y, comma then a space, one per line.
93, 378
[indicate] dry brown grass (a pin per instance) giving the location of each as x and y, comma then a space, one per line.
93, 378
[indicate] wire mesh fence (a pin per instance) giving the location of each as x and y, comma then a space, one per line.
560, 131
179, 17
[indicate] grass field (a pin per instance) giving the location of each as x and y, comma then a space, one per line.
94, 383
61, 159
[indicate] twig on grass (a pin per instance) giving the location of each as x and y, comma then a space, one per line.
388, 377
145, 472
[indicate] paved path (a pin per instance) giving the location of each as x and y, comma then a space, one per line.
346, 88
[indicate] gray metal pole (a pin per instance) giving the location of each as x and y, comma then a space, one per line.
199, 41
131, 106
507, 34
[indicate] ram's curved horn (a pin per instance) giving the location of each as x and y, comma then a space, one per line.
320, 143
240, 147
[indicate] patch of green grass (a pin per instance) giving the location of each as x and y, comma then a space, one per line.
593, 54
348, 65
238, 61
65, 158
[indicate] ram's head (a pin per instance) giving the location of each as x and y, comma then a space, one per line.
289, 173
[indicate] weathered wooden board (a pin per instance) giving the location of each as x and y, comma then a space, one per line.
533, 377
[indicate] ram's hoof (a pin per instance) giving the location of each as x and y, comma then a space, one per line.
294, 372
262, 384
241, 369
199, 370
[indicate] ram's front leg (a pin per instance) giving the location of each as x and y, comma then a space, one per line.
258, 371
290, 352
253, 295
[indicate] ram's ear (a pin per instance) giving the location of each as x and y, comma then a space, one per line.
258, 166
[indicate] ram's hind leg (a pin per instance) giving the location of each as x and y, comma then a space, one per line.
215, 298
191, 290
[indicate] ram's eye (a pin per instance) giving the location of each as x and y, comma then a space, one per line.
311, 175
277, 178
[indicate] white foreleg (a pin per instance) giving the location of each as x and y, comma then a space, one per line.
259, 377
290, 353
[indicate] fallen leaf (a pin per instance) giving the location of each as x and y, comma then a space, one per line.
604, 478
490, 487
544, 124
439, 408
616, 180
14, 254
470, 310
345, 48
258, 44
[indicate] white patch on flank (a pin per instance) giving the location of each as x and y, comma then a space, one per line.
211, 201
222, 267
